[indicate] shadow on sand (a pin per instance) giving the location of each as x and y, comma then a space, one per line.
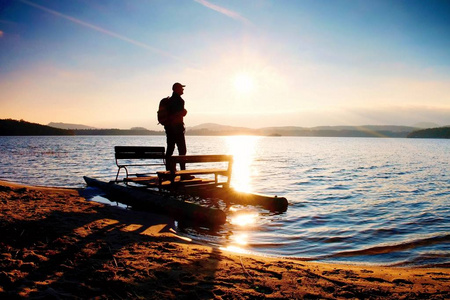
105, 252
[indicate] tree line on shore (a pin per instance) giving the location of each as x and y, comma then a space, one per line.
435, 133
9, 127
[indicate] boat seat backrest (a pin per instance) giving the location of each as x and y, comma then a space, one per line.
139, 152
142, 155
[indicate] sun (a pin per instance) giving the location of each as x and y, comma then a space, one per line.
243, 83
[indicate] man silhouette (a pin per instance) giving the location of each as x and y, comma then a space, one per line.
175, 126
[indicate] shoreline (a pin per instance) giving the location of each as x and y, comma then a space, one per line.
55, 243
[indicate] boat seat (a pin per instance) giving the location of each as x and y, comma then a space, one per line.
154, 181
172, 174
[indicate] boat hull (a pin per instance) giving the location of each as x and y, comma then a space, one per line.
231, 196
161, 203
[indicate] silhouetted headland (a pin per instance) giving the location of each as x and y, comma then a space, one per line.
431, 133
11, 127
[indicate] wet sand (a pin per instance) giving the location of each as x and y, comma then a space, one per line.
56, 244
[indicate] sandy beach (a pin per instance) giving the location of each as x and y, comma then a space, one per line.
55, 244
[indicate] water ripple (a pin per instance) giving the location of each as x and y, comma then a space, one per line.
383, 201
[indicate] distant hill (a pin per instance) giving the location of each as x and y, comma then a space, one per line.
217, 129
11, 127
322, 131
426, 125
433, 133
116, 132
391, 128
138, 128
69, 126
79, 129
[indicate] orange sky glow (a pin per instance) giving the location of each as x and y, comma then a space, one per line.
253, 64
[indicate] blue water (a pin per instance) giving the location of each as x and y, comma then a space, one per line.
357, 200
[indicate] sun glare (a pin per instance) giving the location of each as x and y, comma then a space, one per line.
243, 150
243, 83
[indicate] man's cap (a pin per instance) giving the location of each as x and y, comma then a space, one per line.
176, 84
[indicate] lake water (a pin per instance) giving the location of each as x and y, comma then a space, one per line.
357, 200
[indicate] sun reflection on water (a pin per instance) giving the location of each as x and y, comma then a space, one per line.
234, 249
243, 219
241, 239
243, 150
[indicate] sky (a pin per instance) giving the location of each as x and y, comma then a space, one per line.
253, 63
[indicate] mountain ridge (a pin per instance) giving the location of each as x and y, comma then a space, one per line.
350, 131
220, 127
13, 127
69, 126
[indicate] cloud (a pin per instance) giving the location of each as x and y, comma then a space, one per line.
1, 34
224, 11
107, 32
